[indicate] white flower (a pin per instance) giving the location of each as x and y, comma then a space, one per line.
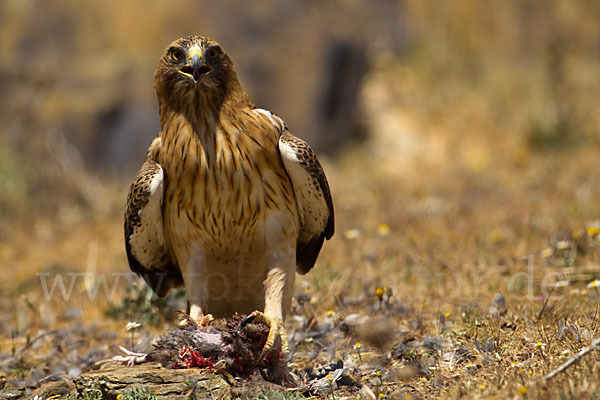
131, 326
594, 284
352, 234
540, 345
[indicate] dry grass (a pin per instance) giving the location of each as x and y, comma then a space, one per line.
445, 240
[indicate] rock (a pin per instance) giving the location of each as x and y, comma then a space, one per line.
58, 389
74, 372
379, 332
72, 313
12, 394
351, 323
170, 383
498, 305
162, 382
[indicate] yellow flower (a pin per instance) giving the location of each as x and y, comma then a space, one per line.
330, 313
383, 230
593, 230
119, 396
546, 253
357, 346
447, 314
482, 386
378, 373
496, 236
329, 377
594, 284
521, 156
379, 291
522, 390
540, 345
576, 235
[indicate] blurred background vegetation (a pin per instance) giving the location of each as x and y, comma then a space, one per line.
77, 107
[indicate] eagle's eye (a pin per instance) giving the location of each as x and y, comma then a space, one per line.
212, 53
176, 54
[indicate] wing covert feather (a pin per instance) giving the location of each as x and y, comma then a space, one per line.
144, 236
313, 197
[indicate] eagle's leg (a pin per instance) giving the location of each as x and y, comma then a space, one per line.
197, 292
198, 316
278, 286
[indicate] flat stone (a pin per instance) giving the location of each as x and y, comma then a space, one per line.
162, 382
12, 394
59, 389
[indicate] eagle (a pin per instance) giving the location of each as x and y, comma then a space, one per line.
227, 202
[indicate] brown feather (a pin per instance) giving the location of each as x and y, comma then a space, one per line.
163, 274
229, 201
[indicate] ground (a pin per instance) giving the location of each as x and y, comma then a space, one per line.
478, 280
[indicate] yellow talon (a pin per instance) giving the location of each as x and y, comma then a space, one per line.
275, 329
202, 320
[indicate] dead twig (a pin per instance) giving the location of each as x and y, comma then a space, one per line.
595, 343
546, 300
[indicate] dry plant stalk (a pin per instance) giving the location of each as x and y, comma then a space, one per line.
573, 359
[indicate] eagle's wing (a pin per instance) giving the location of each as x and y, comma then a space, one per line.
313, 198
144, 234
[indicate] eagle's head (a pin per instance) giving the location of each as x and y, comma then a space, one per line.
194, 71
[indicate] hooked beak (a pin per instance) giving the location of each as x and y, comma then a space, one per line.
195, 67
